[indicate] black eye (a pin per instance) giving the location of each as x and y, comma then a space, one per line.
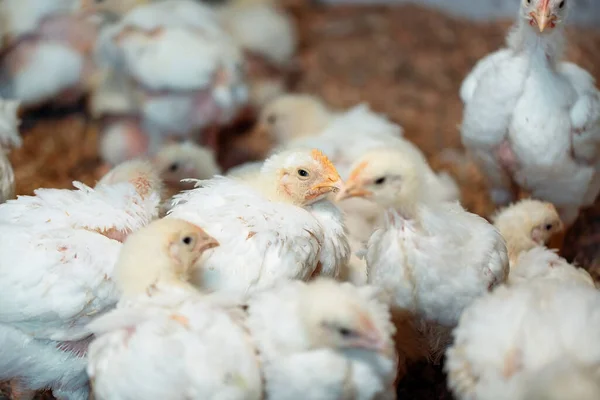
549, 227
187, 240
303, 172
174, 167
345, 332
380, 181
271, 119
562, 4
528, 2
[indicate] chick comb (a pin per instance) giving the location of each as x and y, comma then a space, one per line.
357, 171
321, 158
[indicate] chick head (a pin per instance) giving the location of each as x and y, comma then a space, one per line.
164, 250
545, 15
302, 176
292, 116
139, 173
386, 176
178, 161
536, 219
334, 318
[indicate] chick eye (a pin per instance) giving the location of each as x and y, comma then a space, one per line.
549, 227
528, 2
562, 4
271, 119
345, 332
174, 167
303, 173
187, 240
380, 181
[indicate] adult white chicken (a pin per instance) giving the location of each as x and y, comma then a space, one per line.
165, 339
59, 249
47, 51
532, 119
324, 340
187, 71
276, 226
527, 226
530, 341
432, 258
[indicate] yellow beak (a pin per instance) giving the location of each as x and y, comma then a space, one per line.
352, 190
543, 18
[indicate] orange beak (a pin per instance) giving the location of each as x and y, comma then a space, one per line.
332, 183
206, 243
542, 16
352, 189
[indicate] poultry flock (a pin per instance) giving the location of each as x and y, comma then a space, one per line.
315, 255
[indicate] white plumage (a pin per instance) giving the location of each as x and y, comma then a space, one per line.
532, 119
308, 339
71, 243
521, 343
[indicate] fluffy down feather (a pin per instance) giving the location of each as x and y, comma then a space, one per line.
295, 366
437, 262
9, 123
261, 241
147, 351
503, 349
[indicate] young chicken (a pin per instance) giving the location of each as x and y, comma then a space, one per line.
165, 340
323, 340
71, 239
47, 51
185, 160
187, 72
509, 344
527, 226
375, 168
532, 119
276, 226
269, 40
432, 258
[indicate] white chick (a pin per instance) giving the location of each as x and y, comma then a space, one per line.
9, 137
269, 39
185, 160
188, 73
48, 51
246, 171
71, 239
375, 168
532, 119
292, 116
166, 340
526, 225
323, 340
432, 258
278, 226
509, 344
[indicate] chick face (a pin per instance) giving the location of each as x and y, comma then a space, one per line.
303, 176
165, 250
545, 15
334, 319
291, 116
179, 161
385, 177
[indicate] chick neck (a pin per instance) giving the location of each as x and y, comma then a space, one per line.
516, 237
541, 48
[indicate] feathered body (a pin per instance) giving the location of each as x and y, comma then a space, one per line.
519, 343
173, 346
293, 367
71, 241
262, 241
534, 120
182, 88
